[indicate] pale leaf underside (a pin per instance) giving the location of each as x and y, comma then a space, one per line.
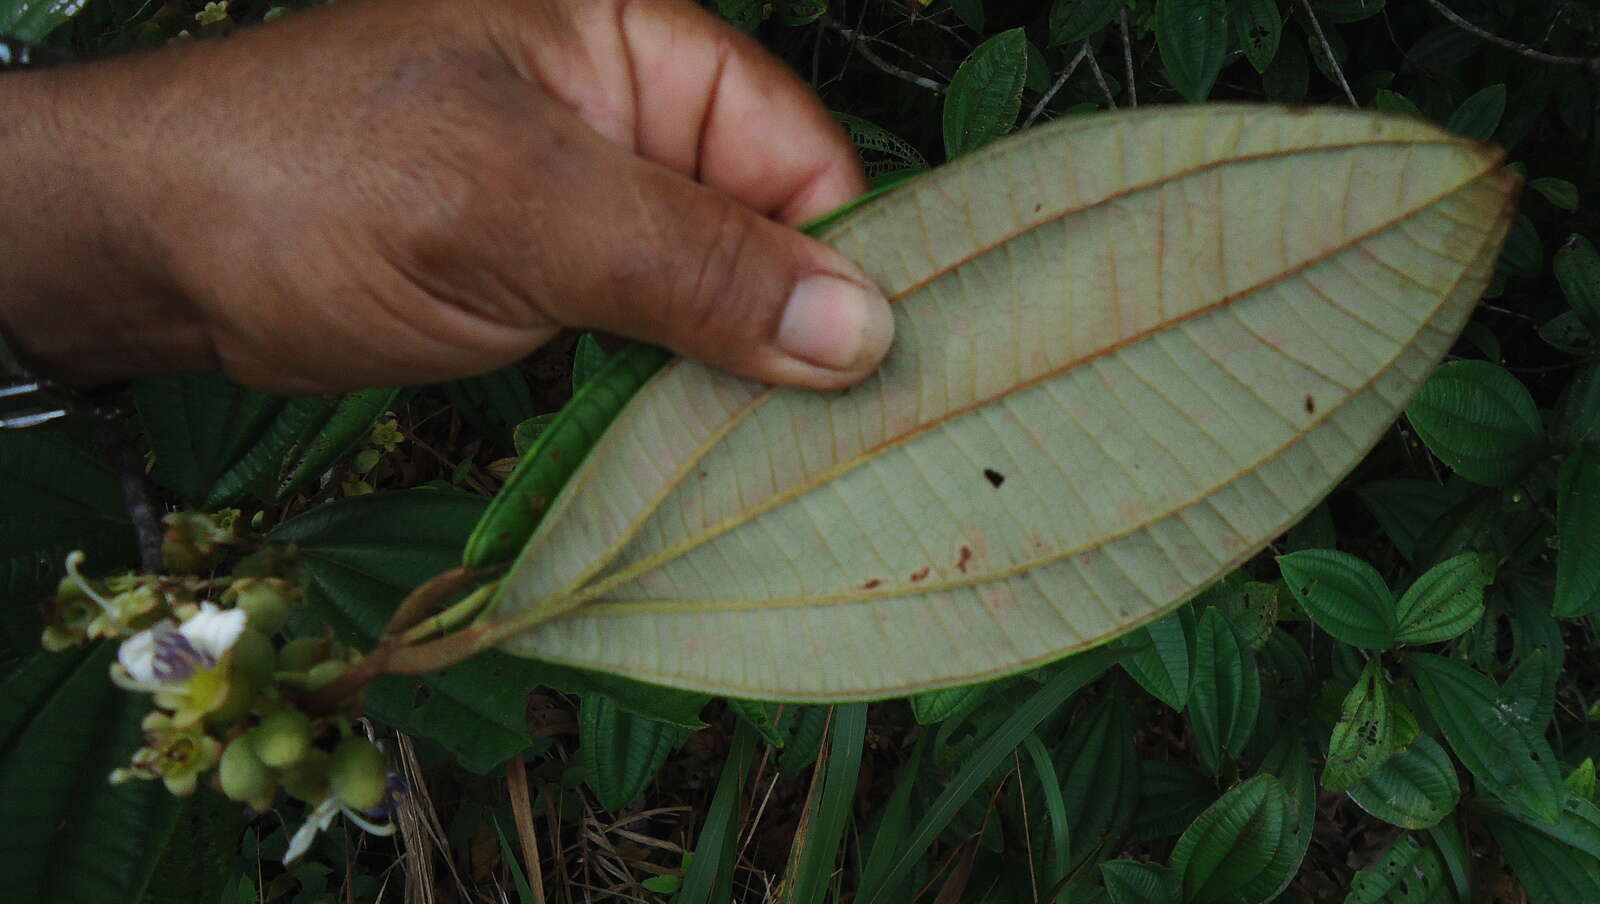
1132, 348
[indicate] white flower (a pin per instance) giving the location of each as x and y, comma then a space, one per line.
181, 664
166, 655
318, 820
321, 818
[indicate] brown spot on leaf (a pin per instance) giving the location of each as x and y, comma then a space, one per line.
994, 477
966, 556
920, 573
1311, 404
871, 584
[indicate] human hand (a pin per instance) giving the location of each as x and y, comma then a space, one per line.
373, 194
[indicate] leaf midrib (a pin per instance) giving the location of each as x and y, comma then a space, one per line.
576, 594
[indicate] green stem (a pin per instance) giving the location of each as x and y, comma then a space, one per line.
456, 615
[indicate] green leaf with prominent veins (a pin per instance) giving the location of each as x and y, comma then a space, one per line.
1372, 728
1131, 349
1227, 691
1501, 747
621, 752
1345, 596
1259, 27
1578, 531
1480, 420
1072, 21
1407, 874
1548, 869
1193, 38
1445, 601
1577, 267
986, 93
1226, 852
1162, 664
1414, 789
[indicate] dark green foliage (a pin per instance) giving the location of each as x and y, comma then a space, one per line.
985, 93
63, 728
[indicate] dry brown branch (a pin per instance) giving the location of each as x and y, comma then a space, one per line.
421, 833
859, 43
1127, 57
1519, 49
522, 814
1061, 79
1327, 51
1100, 78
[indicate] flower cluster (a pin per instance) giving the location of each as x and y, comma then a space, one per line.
225, 681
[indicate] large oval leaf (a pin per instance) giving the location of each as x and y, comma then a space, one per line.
1132, 348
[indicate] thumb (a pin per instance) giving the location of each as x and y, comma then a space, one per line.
683, 266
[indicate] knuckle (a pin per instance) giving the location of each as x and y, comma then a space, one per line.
709, 300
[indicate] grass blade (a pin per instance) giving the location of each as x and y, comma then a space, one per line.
1074, 674
828, 806
1055, 806
710, 875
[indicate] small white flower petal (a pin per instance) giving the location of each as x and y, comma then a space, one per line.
138, 653
301, 842
317, 820
212, 631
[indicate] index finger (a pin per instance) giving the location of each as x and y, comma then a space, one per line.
692, 93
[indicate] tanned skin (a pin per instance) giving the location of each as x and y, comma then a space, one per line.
379, 192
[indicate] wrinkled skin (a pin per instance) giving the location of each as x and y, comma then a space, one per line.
387, 193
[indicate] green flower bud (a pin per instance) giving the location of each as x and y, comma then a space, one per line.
192, 542
244, 777
267, 602
308, 781
300, 654
68, 589
282, 738
359, 774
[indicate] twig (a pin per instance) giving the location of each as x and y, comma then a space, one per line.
1100, 78
1513, 46
1066, 73
858, 42
522, 815
1127, 57
137, 502
1327, 50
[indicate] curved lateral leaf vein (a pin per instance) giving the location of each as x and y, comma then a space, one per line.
577, 594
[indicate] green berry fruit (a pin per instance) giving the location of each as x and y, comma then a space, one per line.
282, 738
359, 774
269, 561
308, 781
254, 660
239, 697
300, 654
244, 777
323, 672
266, 602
